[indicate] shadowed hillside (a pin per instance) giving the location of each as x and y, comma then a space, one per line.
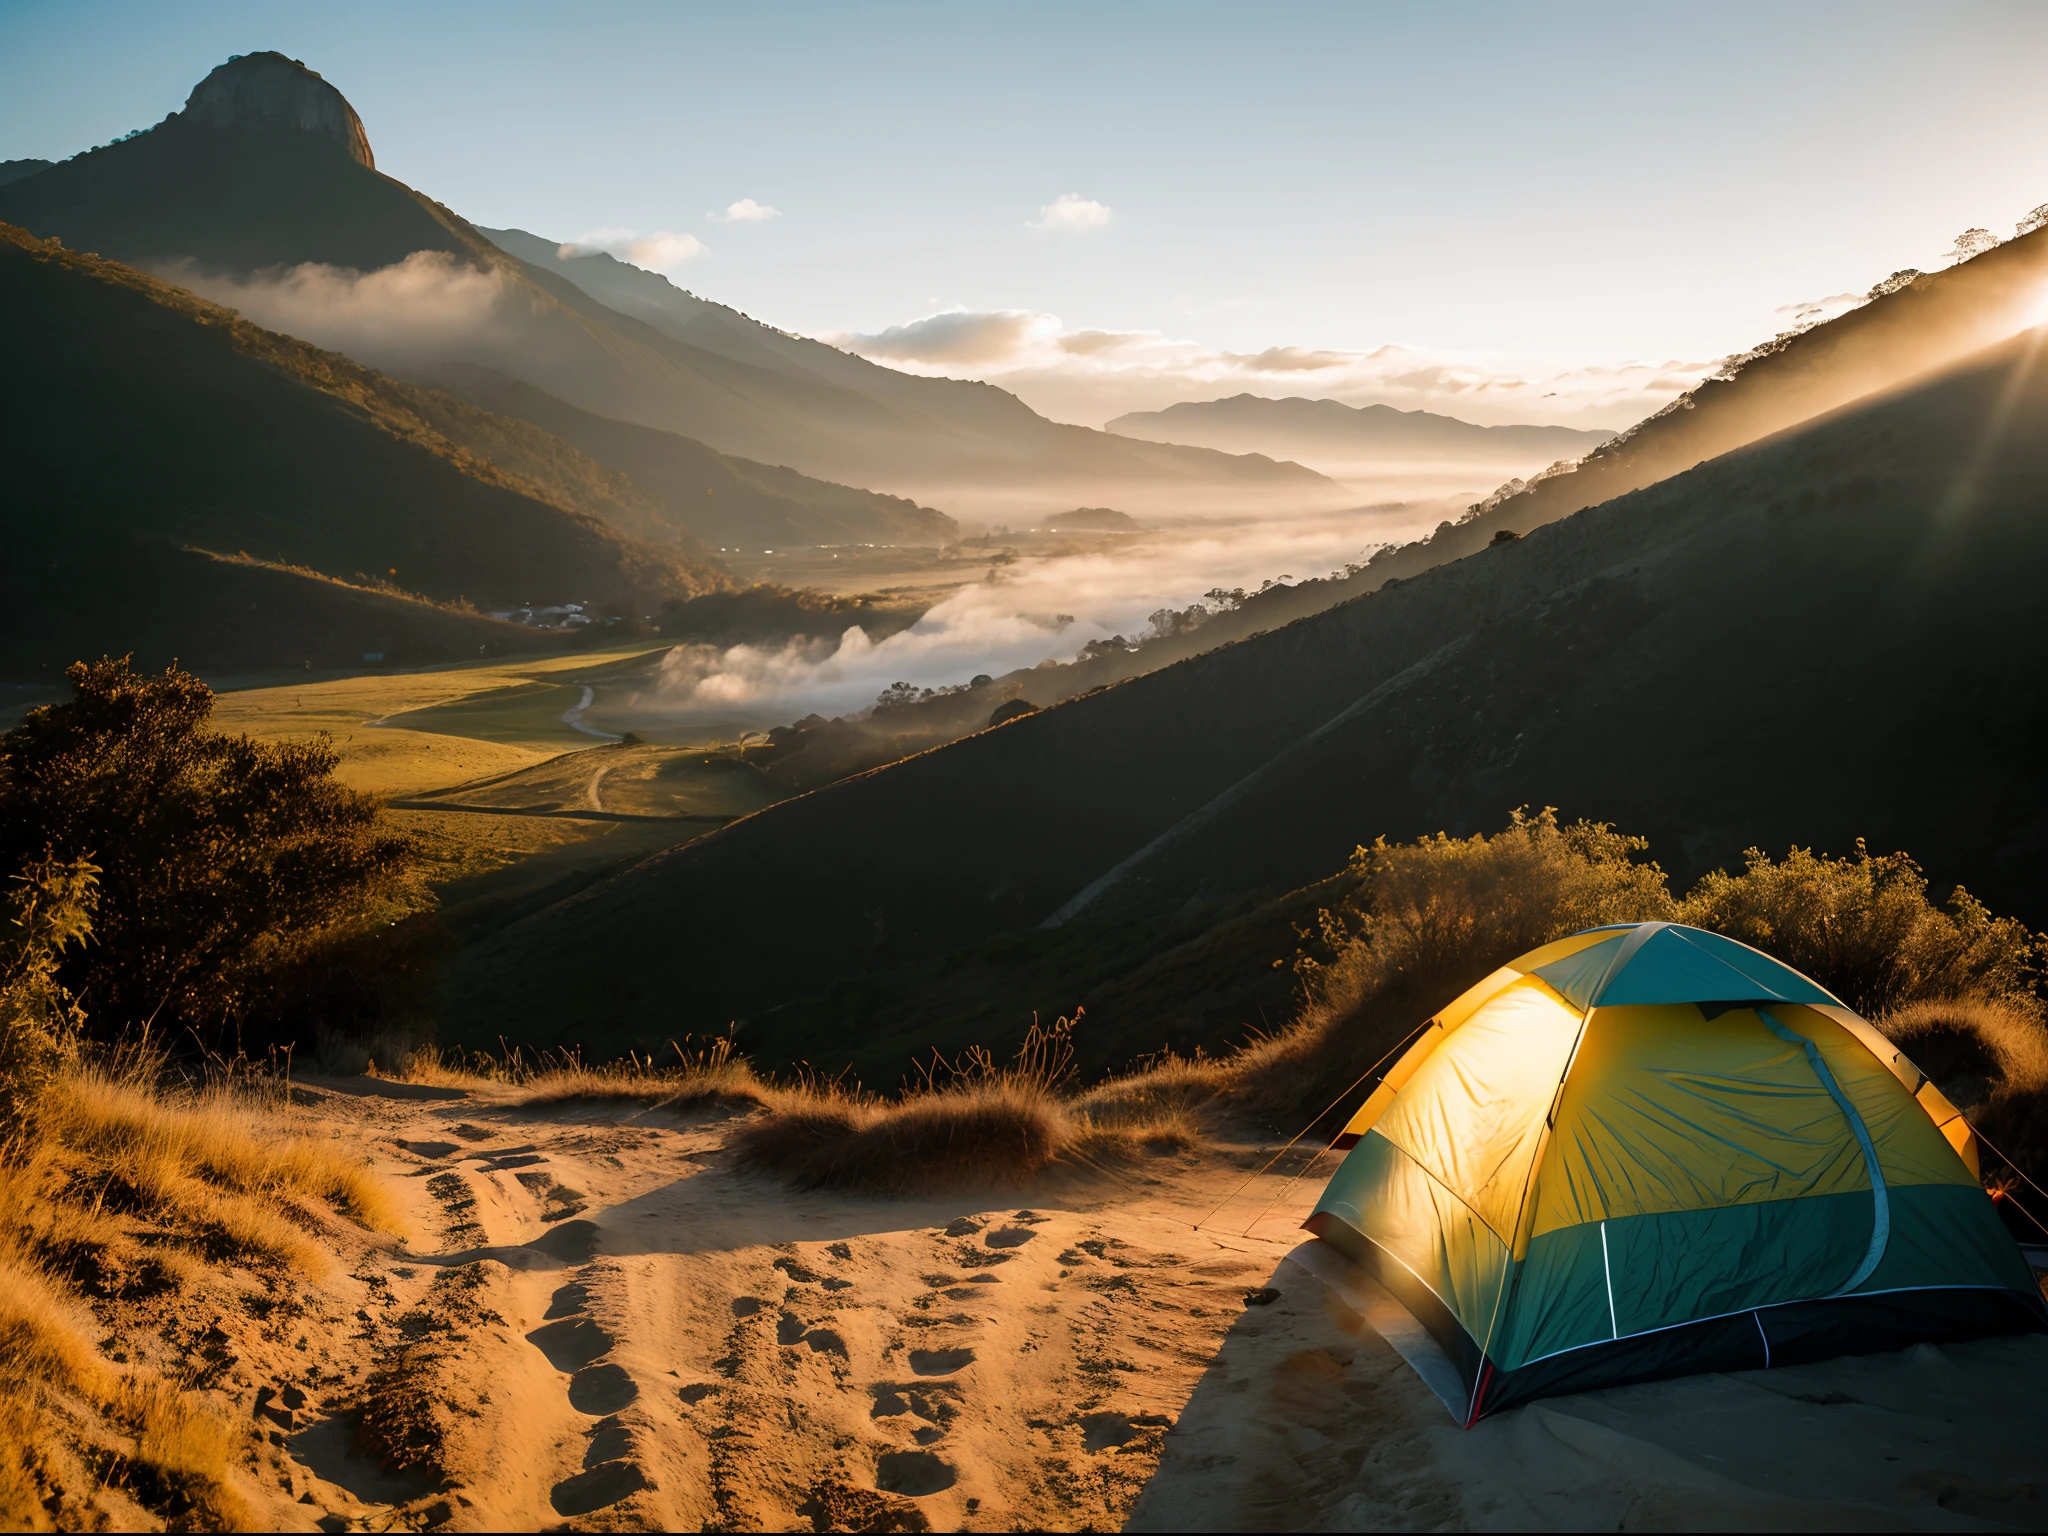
719, 500
141, 418
1830, 634
268, 168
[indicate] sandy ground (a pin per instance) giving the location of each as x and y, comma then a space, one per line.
599, 1323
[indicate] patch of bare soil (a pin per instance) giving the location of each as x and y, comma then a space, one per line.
602, 1324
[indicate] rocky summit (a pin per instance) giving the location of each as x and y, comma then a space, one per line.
269, 90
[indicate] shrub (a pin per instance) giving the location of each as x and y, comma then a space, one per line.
49, 909
1864, 929
220, 857
1428, 919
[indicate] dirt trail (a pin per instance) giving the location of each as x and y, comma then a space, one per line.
602, 1323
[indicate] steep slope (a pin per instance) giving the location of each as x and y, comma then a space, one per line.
1323, 431
710, 496
142, 419
1830, 634
267, 167
1929, 322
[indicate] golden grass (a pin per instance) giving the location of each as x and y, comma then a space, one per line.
179, 1457
711, 1073
214, 1178
1990, 1057
212, 1164
970, 1124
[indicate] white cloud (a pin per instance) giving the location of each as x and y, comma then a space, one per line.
746, 211
1091, 376
1070, 210
955, 336
662, 251
426, 301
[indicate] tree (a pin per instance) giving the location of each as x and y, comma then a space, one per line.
222, 860
1903, 278
1972, 243
2032, 221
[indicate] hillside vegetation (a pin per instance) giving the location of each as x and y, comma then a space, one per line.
148, 422
689, 489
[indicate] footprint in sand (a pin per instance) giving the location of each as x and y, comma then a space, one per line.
1010, 1237
940, 1362
572, 1343
592, 1490
602, 1389
1100, 1431
573, 1242
914, 1473
790, 1330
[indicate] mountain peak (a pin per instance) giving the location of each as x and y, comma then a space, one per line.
268, 90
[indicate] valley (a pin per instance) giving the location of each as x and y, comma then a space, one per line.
641, 888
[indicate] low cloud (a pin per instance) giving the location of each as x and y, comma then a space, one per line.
1034, 610
1071, 211
956, 336
662, 251
1093, 376
424, 302
745, 211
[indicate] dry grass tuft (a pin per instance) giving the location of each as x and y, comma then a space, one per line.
710, 1073
1990, 1057
210, 1165
181, 1452
992, 1134
1973, 1048
971, 1124
181, 1459
41, 1339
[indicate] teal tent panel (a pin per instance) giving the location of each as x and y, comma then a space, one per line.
1559, 1298
1947, 1234
1575, 978
1670, 968
1783, 981
1681, 1266
1385, 1195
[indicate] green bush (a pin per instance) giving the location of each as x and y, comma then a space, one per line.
222, 860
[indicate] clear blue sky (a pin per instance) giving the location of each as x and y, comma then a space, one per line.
1557, 185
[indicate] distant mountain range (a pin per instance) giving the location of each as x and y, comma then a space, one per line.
1329, 432
268, 168
183, 483
1834, 633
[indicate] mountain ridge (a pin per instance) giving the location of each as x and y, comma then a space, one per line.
235, 201
1294, 424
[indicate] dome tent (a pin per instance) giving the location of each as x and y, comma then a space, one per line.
1649, 1150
